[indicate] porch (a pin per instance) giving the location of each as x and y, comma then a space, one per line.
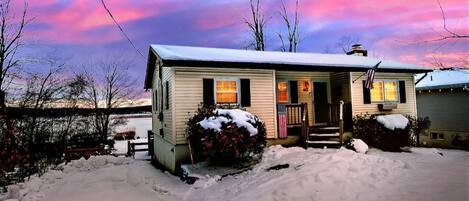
313, 107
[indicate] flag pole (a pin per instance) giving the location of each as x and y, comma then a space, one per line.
353, 81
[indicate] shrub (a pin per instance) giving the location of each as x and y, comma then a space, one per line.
373, 133
227, 142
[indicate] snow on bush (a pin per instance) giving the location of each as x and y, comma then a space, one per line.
240, 118
359, 146
225, 135
386, 132
393, 121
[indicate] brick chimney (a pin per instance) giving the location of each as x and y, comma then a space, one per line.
358, 50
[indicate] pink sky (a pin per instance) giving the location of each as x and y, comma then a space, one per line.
389, 29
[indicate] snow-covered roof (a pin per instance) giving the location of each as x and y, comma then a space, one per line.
440, 79
220, 57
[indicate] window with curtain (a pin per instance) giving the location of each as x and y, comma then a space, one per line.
282, 89
226, 91
376, 93
384, 91
390, 89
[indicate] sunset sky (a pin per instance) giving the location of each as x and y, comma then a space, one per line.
80, 30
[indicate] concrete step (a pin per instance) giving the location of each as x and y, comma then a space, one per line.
324, 135
330, 142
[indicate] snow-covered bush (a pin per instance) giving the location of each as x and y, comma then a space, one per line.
357, 145
225, 135
385, 132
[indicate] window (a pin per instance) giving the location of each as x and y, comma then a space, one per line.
377, 92
384, 91
226, 91
390, 89
282, 92
438, 136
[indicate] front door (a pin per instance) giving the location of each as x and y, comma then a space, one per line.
321, 106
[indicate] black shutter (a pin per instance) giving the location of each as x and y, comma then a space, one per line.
366, 94
293, 91
208, 92
155, 100
166, 98
402, 94
245, 93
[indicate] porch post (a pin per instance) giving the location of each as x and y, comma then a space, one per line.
341, 120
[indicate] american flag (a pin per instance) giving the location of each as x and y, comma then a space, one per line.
370, 76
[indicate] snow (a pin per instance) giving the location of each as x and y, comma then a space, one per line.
313, 174
444, 79
213, 122
359, 146
185, 53
393, 121
141, 124
120, 147
239, 117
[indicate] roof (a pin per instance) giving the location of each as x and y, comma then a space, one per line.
443, 79
219, 57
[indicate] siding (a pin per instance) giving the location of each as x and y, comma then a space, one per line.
167, 123
358, 107
305, 97
188, 95
448, 111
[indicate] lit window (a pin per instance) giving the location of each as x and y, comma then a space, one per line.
384, 91
227, 91
377, 94
390, 88
282, 95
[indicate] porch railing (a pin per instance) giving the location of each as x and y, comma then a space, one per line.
297, 116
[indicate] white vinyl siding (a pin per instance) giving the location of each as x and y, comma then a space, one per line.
189, 95
408, 108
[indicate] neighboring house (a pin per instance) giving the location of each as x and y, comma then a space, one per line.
443, 96
267, 84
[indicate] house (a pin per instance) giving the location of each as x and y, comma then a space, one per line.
443, 96
306, 87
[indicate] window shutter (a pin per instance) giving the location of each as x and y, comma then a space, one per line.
366, 94
208, 91
166, 98
245, 93
155, 100
293, 91
402, 93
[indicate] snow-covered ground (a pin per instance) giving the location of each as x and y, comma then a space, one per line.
313, 174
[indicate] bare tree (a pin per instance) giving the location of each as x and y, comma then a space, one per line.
42, 91
256, 26
292, 29
106, 91
11, 35
345, 43
448, 34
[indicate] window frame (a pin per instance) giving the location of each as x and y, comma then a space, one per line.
439, 136
384, 91
238, 89
288, 92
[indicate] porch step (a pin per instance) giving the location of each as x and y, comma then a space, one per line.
323, 143
324, 130
324, 135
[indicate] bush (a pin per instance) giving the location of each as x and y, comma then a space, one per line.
373, 133
228, 143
